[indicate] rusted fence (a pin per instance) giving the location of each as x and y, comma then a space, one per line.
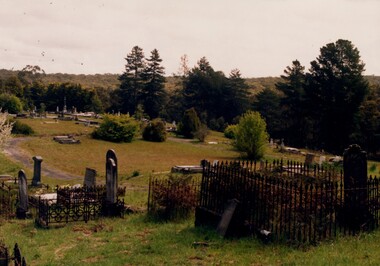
8, 199
292, 202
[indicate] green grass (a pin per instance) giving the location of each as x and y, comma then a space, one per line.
136, 240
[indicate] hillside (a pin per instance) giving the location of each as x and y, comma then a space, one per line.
111, 80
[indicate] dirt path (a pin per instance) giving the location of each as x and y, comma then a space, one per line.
13, 151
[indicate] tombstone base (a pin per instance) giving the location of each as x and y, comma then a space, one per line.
21, 213
113, 209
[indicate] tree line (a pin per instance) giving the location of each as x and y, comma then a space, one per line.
327, 106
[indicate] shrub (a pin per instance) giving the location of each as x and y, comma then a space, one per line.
10, 103
230, 132
155, 131
201, 133
117, 129
173, 198
251, 135
189, 124
21, 128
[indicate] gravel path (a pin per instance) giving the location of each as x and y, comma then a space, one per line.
13, 151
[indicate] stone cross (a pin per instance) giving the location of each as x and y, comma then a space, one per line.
37, 170
111, 181
90, 178
23, 195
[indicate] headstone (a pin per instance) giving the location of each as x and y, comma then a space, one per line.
112, 155
23, 195
90, 177
355, 185
111, 181
282, 145
309, 159
322, 159
271, 142
36, 181
227, 217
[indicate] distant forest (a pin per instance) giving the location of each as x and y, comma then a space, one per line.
325, 106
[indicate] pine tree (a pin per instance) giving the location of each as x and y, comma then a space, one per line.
153, 96
336, 90
132, 80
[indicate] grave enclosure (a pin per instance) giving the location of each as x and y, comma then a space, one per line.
66, 204
292, 202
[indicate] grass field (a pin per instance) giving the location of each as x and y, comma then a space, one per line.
137, 240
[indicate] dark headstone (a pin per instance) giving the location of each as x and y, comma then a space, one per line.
90, 178
309, 159
23, 195
227, 215
111, 181
355, 186
112, 155
36, 181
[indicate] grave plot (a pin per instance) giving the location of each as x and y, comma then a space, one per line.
66, 140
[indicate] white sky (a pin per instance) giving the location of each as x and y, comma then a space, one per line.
259, 37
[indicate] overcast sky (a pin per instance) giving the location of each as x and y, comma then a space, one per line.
259, 37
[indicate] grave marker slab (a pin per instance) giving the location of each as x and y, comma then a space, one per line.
23, 195
90, 177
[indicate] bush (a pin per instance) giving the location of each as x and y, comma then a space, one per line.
201, 133
10, 103
189, 124
117, 129
155, 131
172, 198
21, 128
230, 132
251, 135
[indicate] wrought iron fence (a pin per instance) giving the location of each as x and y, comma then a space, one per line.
6, 258
76, 204
8, 200
302, 208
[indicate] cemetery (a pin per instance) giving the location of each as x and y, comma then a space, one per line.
281, 202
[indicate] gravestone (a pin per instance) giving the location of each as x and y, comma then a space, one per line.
23, 195
227, 215
322, 159
355, 186
111, 181
90, 177
309, 159
36, 181
112, 155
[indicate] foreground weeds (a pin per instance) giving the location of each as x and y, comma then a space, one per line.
136, 240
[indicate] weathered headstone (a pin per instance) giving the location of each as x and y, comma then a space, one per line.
322, 159
36, 181
90, 177
355, 185
227, 215
111, 181
23, 195
309, 159
112, 155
